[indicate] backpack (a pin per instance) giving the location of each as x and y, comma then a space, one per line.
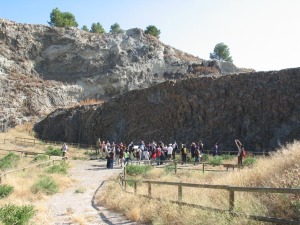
243, 152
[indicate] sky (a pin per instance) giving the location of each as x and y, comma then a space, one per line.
261, 34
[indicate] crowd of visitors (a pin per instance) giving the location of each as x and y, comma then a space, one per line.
154, 152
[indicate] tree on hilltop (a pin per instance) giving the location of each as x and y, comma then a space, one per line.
221, 52
151, 29
115, 28
85, 28
62, 19
97, 28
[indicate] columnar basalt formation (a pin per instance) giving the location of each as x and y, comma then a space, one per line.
262, 109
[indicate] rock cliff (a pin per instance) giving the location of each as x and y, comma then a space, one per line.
262, 109
42, 67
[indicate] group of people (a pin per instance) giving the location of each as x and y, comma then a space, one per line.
121, 153
157, 152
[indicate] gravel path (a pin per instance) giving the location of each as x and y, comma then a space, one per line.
69, 207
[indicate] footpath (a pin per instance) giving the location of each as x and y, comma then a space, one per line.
69, 207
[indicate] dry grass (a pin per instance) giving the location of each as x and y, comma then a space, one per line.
23, 181
22, 194
282, 169
204, 70
91, 101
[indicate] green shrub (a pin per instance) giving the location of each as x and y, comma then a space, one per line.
40, 157
16, 215
205, 157
45, 184
53, 151
80, 190
215, 160
137, 169
249, 161
188, 158
228, 157
130, 183
61, 168
5, 190
169, 168
9, 161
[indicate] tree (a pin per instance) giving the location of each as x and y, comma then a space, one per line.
153, 31
97, 28
221, 52
115, 28
62, 19
85, 28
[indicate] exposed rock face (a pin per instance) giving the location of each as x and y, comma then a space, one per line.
85, 65
261, 109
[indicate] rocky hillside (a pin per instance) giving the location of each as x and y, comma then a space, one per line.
42, 67
262, 109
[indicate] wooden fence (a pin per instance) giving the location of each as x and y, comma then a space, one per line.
35, 142
24, 153
49, 162
231, 195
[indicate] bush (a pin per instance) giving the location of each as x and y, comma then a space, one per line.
8, 161
16, 215
61, 168
227, 157
45, 184
151, 29
205, 157
249, 161
5, 190
40, 157
136, 169
169, 168
53, 151
216, 160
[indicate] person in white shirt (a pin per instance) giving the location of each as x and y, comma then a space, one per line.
170, 151
146, 155
64, 150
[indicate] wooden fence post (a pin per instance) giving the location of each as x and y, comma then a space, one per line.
125, 177
135, 187
203, 167
179, 193
231, 200
149, 190
175, 167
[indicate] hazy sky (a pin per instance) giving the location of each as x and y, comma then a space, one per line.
261, 34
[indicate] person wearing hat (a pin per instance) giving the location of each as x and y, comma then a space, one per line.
170, 151
183, 154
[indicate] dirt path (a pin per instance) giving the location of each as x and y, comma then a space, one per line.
70, 207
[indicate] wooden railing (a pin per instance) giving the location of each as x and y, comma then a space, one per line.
55, 143
24, 153
231, 195
3, 174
